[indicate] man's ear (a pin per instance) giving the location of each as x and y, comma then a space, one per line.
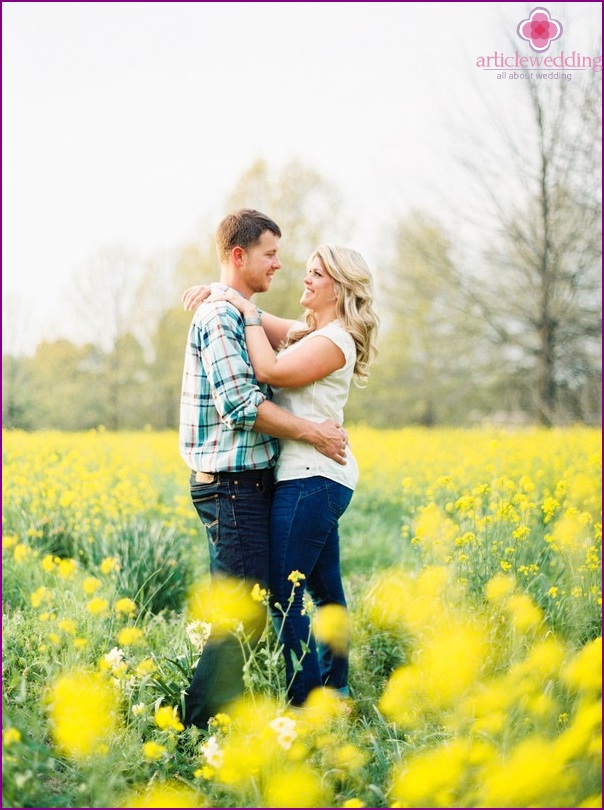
238, 254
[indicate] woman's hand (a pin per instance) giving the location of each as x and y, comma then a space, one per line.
247, 308
194, 296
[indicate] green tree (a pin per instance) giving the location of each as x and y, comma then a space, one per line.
431, 366
166, 369
65, 386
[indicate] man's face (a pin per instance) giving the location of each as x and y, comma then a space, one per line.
260, 262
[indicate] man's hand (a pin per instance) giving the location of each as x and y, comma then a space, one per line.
194, 296
331, 440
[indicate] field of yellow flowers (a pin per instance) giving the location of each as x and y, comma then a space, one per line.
472, 562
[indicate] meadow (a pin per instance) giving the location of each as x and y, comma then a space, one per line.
472, 563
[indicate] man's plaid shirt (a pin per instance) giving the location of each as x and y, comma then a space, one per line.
220, 397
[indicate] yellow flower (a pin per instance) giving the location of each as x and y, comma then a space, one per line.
80, 643
166, 794
48, 563
83, 712
21, 552
205, 772
91, 584
97, 605
524, 613
584, 671
222, 720
258, 594
10, 736
68, 626
67, 568
226, 604
349, 757
145, 667
153, 751
331, 626
129, 635
40, 595
9, 540
295, 786
296, 576
353, 803
532, 774
125, 605
108, 565
166, 717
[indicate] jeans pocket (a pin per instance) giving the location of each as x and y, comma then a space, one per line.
338, 498
207, 505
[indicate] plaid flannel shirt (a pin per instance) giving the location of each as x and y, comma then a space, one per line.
220, 397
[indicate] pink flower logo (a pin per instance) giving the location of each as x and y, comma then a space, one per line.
539, 30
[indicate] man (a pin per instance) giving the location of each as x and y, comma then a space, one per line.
228, 437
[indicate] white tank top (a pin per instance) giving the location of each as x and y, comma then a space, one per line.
323, 399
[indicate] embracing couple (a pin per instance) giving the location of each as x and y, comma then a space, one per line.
261, 429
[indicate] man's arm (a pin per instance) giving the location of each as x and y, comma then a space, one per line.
327, 437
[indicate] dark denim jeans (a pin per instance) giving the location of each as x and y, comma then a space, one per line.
304, 537
235, 511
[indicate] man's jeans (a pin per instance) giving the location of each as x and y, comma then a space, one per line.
235, 511
304, 538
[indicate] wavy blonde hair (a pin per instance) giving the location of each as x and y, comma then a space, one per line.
354, 302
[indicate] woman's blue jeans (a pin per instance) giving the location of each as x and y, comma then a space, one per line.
304, 538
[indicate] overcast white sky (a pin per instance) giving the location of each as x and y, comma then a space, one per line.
130, 123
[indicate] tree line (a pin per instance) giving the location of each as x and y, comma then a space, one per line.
493, 318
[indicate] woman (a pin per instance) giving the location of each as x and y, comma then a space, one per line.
310, 376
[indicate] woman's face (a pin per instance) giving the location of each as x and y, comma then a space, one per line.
319, 290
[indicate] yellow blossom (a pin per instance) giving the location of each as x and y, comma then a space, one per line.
259, 594
10, 736
331, 626
83, 711
108, 565
584, 671
9, 540
153, 751
48, 563
91, 584
166, 717
226, 604
67, 568
40, 595
21, 552
68, 626
125, 605
145, 667
164, 794
130, 635
97, 605
296, 785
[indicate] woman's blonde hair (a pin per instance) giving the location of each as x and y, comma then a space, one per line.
354, 302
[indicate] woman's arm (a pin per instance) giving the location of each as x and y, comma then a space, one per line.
310, 362
276, 328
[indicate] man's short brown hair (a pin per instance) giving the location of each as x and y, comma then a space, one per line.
242, 228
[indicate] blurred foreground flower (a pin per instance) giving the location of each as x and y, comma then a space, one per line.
83, 712
331, 626
226, 603
169, 794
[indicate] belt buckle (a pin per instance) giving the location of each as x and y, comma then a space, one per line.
204, 478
